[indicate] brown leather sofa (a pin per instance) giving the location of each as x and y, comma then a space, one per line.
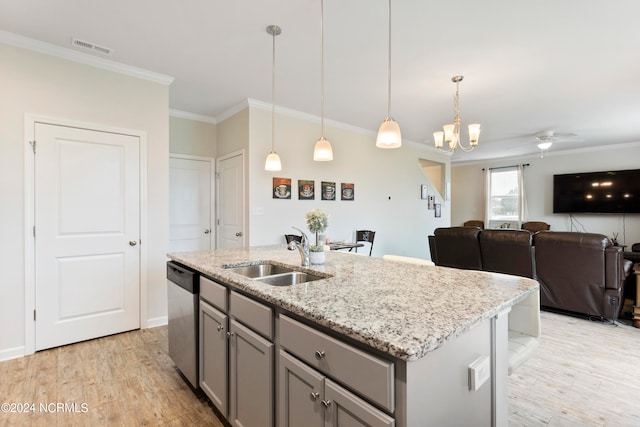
577, 272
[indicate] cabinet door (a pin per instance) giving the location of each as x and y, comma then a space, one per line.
300, 393
345, 409
213, 355
250, 378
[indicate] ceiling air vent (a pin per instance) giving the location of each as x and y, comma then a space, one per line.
90, 46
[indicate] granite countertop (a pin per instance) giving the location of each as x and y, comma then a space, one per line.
401, 309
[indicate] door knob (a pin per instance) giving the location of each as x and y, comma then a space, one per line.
239, 234
132, 242
207, 231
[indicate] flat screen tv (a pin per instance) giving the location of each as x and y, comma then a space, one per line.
597, 192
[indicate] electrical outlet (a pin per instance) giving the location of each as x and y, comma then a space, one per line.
479, 372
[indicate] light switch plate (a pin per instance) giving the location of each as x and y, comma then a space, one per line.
479, 372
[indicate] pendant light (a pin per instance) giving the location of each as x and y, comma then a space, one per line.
272, 163
389, 135
322, 152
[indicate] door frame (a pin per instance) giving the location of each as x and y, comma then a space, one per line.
213, 201
30, 121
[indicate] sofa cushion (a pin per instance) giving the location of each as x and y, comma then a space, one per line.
507, 251
458, 247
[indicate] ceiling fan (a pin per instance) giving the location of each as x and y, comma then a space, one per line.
546, 138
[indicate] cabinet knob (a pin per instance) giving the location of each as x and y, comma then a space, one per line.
229, 334
314, 395
326, 403
220, 327
319, 354
207, 231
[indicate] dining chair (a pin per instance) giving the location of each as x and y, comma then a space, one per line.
534, 226
474, 223
291, 237
366, 236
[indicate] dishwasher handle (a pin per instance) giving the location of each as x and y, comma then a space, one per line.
183, 277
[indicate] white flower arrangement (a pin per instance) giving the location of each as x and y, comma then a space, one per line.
317, 222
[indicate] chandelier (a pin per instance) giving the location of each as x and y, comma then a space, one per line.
451, 132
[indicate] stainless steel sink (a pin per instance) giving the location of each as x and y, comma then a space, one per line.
288, 279
260, 270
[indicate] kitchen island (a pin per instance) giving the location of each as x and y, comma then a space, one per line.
428, 327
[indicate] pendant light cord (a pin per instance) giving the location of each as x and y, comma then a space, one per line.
389, 67
322, 68
273, 93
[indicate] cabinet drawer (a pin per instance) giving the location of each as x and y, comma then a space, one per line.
214, 293
257, 316
369, 375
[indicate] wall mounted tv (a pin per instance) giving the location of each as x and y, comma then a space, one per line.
597, 192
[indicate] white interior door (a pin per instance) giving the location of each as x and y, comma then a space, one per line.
87, 228
231, 201
190, 204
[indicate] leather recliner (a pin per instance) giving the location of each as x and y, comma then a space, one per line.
580, 272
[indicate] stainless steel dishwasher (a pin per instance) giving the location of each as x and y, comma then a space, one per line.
183, 292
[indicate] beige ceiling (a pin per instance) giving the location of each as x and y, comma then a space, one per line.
570, 66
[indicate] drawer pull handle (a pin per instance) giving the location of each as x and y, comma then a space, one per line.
326, 403
319, 354
220, 327
314, 395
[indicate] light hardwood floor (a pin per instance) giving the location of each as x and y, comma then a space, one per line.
583, 374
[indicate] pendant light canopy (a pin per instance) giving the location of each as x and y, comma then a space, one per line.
389, 135
322, 152
273, 163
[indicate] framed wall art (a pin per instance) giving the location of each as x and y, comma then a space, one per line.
328, 190
281, 188
347, 191
306, 189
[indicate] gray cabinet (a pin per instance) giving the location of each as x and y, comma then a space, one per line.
214, 355
310, 365
250, 378
307, 397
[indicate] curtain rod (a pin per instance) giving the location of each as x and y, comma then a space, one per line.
505, 167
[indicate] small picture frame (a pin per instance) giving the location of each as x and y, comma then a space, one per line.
438, 210
281, 188
431, 202
306, 189
328, 190
347, 191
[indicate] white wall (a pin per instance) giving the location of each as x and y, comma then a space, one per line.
468, 189
192, 137
40, 84
387, 185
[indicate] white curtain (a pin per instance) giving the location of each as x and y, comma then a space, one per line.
522, 199
487, 198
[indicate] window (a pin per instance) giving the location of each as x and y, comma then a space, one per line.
505, 196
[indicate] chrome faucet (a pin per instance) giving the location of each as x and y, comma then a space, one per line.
303, 248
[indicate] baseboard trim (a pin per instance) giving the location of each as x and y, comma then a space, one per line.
11, 353
157, 321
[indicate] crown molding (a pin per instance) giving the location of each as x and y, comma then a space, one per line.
23, 42
192, 116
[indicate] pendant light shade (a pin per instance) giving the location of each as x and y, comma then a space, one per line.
389, 135
273, 164
322, 152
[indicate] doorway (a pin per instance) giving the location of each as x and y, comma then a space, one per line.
83, 276
191, 203
231, 204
